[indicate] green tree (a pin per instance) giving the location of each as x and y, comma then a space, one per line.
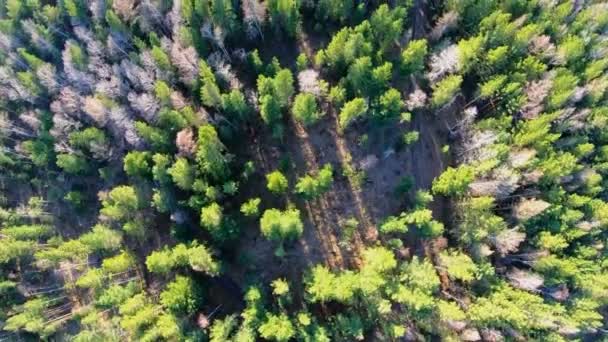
234, 104
389, 105
160, 168
305, 109
251, 208
72, 163
351, 111
276, 182
454, 181
445, 90
281, 226
458, 265
277, 328
211, 216
469, 53
121, 202
182, 296
210, 155
387, 25
285, 14
137, 163
311, 187
182, 173
210, 92
412, 57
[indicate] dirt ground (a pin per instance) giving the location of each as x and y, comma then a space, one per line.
308, 149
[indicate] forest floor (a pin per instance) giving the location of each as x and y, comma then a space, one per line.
304, 150
326, 238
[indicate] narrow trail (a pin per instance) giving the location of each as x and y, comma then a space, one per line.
427, 153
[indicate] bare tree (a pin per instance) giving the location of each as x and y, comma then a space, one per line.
508, 241
254, 15
308, 82
186, 62
444, 24
525, 280
443, 63
95, 110
145, 105
186, 145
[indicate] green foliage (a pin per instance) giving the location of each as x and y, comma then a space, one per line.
445, 90
387, 25
72, 163
310, 187
454, 181
210, 92
389, 105
211, 216
305, 109
276, 182
458, 265
196, 256
285, 15
156, 137
274, 95
251, 208
351, 111
281, 226
137, 163
564, 84
161, 58
469, 53
181, 296
234, 104
412, 57
182, 173
122, 202
277, 328
510, 308
210, 155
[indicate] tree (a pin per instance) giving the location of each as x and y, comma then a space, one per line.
277, 328
251, 208
387, 25
182, 296
182, 173
469, 53
281, 226
445, 90
512, 308
210, 155
210, 92
412, 57
102, 239
572, 49
285, 14
211, 216
283, 85
305, 109
160, 261
72, 163
454, 181
351, 111
276, 182
390, 105
458, 265
137, 163
234, 105
311, 187
121, 203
